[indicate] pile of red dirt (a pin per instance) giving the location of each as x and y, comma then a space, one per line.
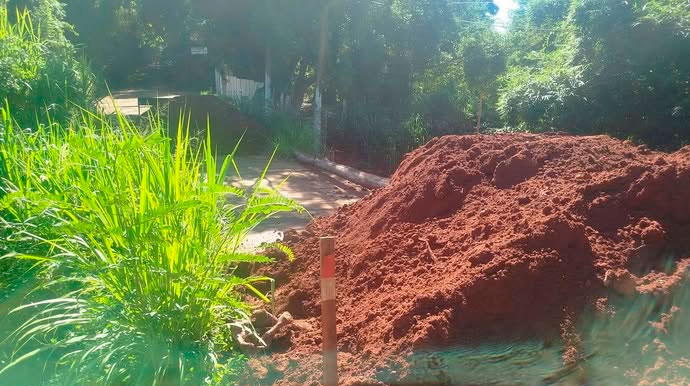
487, 237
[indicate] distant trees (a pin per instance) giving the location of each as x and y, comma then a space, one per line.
110, 34
378, 57
395, 68
592, 66
484, 60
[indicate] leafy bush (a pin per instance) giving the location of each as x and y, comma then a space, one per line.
545, 12
542, 98
21, 59
136, 245
291, 134
598, 66
40, 71
443, 99
288, 133
669, 12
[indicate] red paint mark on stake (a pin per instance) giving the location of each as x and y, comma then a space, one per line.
328, 311
328, 266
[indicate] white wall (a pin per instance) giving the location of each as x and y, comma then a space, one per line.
231, 86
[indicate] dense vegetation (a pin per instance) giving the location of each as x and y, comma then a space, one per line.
621, 67
395, 72
136, 247
118, 245
40, 70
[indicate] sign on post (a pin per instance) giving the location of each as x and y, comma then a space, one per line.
199, 50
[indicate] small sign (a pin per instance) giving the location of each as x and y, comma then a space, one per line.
199, 50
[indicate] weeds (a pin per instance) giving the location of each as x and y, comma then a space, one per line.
40, 72
288, 133
134, 244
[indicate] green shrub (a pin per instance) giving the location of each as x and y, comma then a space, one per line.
288, 133
40, 71
136, 245
21, 60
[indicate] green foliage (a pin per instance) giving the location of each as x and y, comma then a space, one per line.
601, 66
133, 40
441, 97
416, 132
673, 13
377, 54
545, 12
21, 55
288, 133
395, 61
586, 66
136, 247
40, 73
540, 93
483, 60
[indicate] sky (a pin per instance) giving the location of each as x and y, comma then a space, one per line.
503, 15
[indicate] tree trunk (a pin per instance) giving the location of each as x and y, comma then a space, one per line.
479, 113
299, 87
268, 98
318, 135
317, 119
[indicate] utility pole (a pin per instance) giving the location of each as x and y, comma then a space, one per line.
318, 135
268, 98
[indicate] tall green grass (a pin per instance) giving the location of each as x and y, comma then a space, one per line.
133, 241
41, 72
288, 132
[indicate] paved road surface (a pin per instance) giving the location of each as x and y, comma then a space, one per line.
321, 193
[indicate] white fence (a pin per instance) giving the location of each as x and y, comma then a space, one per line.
231, 86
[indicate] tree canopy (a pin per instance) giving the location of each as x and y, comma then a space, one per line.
596, 66
585, 66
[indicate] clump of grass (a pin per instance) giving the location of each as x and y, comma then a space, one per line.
288, 133
41, 72
135, 240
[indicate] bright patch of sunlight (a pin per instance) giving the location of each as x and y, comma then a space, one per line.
502, 18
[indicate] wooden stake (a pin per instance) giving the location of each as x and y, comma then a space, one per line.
328, 311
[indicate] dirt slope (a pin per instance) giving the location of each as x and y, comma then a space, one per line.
488, 237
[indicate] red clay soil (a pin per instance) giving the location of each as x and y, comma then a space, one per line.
486, 237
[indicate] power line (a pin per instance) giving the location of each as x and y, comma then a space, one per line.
504, 25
